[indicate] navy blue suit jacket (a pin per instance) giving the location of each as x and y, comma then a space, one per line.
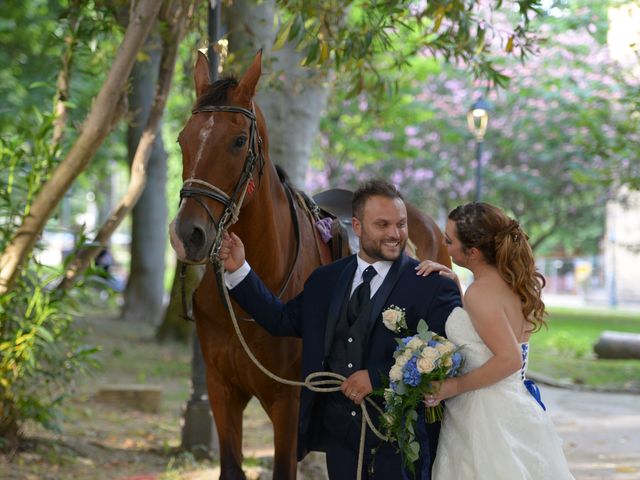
313, 315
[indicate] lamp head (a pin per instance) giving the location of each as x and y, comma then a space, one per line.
478, 118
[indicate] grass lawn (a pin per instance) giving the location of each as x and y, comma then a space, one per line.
565, 350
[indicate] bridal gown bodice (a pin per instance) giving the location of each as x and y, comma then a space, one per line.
499, 431
476, 353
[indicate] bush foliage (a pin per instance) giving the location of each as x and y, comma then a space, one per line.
41, 350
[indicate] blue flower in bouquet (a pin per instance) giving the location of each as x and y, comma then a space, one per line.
411, 374
456, 361
422, 361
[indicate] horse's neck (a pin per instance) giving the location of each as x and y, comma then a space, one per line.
265, 225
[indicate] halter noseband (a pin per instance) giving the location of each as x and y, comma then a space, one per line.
232, 203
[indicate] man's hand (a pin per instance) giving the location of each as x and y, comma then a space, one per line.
357, 386
231, 252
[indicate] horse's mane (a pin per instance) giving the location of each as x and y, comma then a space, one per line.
216, 93
282, 175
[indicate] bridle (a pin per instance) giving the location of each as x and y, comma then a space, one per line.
232, 203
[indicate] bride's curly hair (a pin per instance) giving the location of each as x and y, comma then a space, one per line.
505, 245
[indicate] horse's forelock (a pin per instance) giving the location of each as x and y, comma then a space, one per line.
217, 92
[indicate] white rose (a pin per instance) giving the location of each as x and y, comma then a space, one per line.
404, 358
447, 362
395, 374
415, 343
442, 348
391, 318
430, 353
425, 365
450, 346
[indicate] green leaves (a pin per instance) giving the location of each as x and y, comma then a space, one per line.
353, 37
423, 331
40, 350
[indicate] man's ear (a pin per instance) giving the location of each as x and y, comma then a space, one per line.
357, 226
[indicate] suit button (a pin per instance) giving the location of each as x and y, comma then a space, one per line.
353, 413
350, 365
350, 340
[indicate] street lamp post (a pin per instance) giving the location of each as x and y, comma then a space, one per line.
198, 429
477, 121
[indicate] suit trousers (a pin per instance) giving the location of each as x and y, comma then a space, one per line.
342, 456
385, 464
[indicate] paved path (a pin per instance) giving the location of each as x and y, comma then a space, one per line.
601, 432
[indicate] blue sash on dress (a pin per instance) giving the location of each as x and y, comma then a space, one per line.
530, 385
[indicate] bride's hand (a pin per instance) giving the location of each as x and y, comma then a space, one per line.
427, 266
448, 389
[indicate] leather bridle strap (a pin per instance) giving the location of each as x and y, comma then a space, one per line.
232, 203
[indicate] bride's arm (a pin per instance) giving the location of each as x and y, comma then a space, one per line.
492, 325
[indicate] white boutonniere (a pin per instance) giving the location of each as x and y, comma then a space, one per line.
394, 319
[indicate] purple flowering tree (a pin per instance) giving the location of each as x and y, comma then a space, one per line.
559, 136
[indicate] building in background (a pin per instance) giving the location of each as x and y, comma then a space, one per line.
622, 235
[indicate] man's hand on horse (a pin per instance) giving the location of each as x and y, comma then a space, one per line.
232, 252
357, 386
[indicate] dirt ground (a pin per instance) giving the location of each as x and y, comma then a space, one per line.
104, 442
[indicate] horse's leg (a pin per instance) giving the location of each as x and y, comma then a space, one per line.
283, 412
228, 403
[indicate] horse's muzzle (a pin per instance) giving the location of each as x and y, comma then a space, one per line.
190, 241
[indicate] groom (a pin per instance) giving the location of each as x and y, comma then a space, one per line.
338, 316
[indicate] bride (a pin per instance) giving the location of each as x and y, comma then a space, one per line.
495, 425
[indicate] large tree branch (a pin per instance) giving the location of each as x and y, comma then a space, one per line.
94, 130
176, 14
62, 84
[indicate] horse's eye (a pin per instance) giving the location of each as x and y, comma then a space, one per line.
240, 141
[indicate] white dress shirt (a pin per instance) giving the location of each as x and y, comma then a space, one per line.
382, 267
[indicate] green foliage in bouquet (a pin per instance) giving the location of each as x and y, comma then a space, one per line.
422, 361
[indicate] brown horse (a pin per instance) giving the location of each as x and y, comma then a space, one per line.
227, 173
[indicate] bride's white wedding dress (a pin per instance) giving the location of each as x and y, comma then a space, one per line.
497, 432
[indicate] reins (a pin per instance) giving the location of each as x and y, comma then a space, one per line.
320, 382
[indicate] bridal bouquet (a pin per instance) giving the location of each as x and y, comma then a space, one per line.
422, 361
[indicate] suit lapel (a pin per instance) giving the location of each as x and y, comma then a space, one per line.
385, 289
344, 282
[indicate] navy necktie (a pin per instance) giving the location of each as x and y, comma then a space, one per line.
361, 295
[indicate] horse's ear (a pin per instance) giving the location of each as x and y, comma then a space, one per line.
247, 86
201, 74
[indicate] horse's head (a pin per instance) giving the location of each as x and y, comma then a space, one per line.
222, 160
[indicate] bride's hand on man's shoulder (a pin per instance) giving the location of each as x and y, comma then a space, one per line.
427, 267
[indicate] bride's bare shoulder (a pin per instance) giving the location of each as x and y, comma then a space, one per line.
484, 294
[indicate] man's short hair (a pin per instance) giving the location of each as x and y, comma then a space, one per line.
371, 188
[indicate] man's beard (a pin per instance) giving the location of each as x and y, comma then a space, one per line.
373, 250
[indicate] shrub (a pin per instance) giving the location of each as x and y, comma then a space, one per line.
41, 350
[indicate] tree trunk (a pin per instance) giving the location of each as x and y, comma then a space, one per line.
94, 130
292, 99
64, 78
176, 14
618, 345
145, 287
